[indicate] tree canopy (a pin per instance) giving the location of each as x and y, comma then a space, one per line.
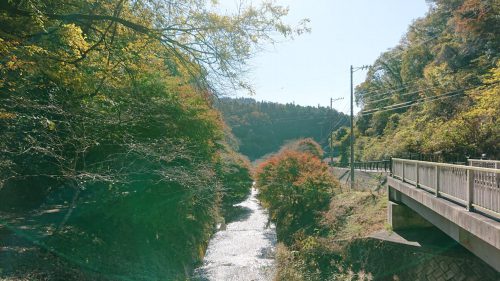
195, 35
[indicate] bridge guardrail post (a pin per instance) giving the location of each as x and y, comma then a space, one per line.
416, 173
403, 172
436, 184
470, 189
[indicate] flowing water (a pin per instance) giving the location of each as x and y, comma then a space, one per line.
242, 250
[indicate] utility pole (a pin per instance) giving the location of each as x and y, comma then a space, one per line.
352, 133
331, 138
331, 135
351, 164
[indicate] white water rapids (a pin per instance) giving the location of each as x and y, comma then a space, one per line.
244, 250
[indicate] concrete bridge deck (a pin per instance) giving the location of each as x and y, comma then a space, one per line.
462, 201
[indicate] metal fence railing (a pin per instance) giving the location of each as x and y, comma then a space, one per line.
382, 165
494, 164
470, 186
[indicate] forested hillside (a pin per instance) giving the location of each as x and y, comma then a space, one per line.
438, 91
263, 127
113, 161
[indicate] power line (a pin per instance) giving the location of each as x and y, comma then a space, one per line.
339, 119
423, 100
380, 93
412, 104
332, 127
405, 94
397, 105
305, 118
301, 119
339, 115
398, 89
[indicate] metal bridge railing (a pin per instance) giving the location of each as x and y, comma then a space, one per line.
382, 165
494, 164
475, 188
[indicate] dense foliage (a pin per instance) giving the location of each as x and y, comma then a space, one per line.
234, 171
110, 148
438, 91
263, 127
316, 221
340, 141
295, 186
329, 254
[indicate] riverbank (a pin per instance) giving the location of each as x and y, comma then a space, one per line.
356, 243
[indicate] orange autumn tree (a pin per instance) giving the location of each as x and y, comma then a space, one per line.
295, 186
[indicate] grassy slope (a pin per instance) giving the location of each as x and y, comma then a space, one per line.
355, 214
352, 214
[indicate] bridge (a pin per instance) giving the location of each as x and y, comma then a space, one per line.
462, 201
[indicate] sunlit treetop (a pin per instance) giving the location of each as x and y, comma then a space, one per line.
213, 46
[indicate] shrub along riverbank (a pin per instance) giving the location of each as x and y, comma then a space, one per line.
316, 220
328, 254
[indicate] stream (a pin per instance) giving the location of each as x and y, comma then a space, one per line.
244, 248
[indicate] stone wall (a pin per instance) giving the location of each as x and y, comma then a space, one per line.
386, 260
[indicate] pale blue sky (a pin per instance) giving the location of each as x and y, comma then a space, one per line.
314, 67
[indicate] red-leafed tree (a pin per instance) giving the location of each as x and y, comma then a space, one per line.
295, 186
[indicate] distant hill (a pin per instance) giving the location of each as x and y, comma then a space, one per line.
263, 127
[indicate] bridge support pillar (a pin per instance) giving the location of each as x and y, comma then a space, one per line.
401, 217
